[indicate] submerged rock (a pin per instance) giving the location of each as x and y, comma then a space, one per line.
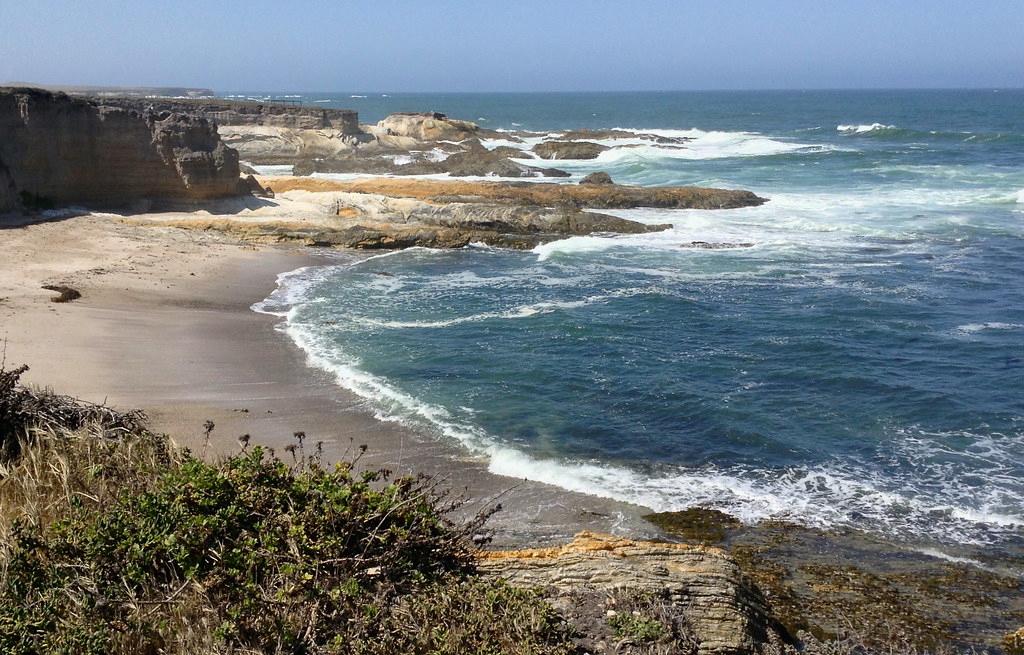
480, 161
599, 177
473, 161
602, 135
569, 150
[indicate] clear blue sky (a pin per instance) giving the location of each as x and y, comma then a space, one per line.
517, 45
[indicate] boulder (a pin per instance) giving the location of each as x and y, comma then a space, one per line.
431, 126
480, 161
569, 150
61, 150
249, 184
599, 177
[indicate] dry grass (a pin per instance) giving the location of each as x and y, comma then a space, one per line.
59, 469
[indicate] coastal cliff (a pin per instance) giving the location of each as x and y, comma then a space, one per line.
58, 150
239, 112
725, 611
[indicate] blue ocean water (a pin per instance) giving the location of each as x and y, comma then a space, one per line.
861, 364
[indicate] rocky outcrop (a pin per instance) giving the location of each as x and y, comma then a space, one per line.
251, 184
569, 150
599, 177
368, 221
372, 221
264, 144
727, 612
431, 126
471, 159
590, 196
479, 161
238, 112
58, 150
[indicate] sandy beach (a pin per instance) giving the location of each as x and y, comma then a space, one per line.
164, 324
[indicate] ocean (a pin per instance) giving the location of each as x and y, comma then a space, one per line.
855, 358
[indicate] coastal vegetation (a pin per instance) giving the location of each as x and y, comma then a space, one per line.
112, 540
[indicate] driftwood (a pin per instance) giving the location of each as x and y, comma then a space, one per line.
64, 294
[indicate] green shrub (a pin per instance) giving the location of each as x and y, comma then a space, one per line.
273, 551
637, 626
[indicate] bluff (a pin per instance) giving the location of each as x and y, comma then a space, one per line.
242, 112
59, 150
725, 610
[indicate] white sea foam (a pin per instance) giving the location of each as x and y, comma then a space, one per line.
971, 328
825, 495
523, 311
864, 129
907, 218
699, 144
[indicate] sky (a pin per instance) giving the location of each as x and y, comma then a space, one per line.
519, 45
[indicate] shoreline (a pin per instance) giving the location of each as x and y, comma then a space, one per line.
178, 339
165, 324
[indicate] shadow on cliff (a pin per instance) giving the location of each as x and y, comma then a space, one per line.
219, 207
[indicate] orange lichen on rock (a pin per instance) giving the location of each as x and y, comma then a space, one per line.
598, 196
594, 542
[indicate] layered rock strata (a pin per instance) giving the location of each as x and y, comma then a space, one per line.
727, 612
238, 112
589, 196
57, 150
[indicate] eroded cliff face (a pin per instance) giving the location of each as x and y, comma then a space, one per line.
8, 195
726, 611
57, 150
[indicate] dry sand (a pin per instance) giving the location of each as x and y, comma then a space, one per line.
164, 324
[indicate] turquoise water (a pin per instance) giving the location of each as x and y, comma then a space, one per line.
861, 365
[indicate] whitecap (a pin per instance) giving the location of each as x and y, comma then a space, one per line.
970, 328
864, 129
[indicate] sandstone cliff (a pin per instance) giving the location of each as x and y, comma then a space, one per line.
726, 611
58, 150
239, 112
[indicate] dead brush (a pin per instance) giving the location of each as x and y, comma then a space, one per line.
24, 409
